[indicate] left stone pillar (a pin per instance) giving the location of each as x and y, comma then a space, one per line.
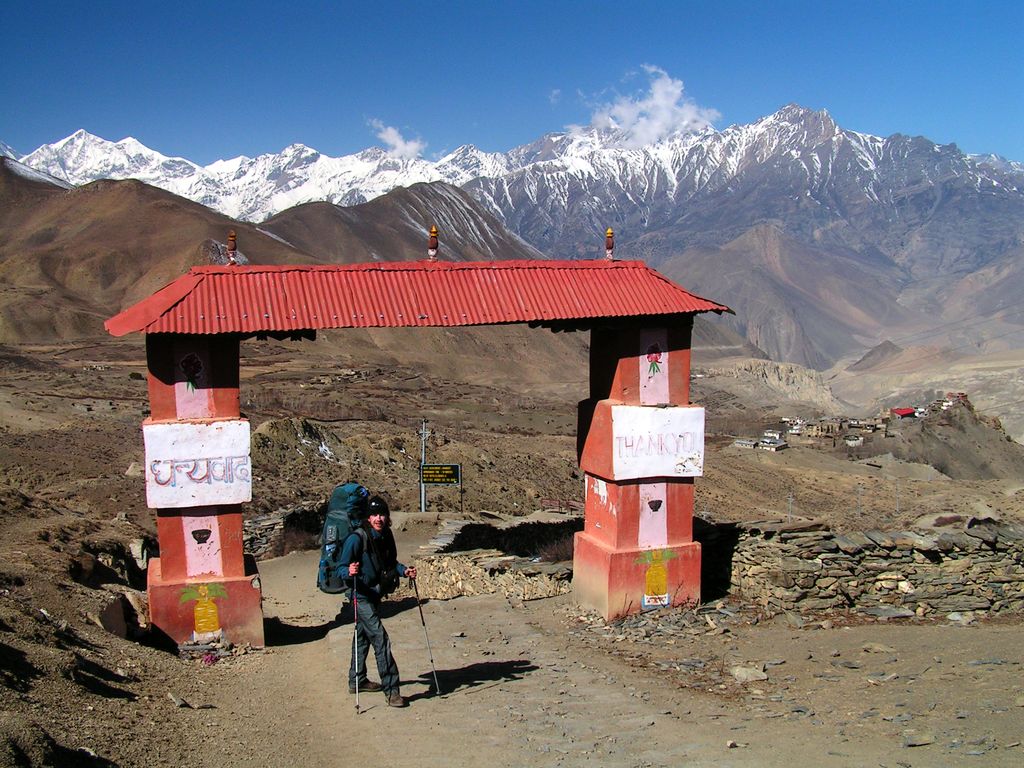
202, 588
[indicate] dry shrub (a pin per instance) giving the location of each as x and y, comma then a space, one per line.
298, 540
557, 550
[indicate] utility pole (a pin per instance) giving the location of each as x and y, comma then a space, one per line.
424, 434
897, 495
791, 505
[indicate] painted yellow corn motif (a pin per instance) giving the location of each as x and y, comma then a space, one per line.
656, 577
205, 617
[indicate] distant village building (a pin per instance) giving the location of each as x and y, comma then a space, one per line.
796, 426
772, 444
865, 425
745, 442
903, 413
825, 428
772, 434
853, 440
953, 398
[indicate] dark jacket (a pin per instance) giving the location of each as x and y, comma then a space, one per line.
381, 553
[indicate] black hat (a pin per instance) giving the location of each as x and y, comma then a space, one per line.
377, 506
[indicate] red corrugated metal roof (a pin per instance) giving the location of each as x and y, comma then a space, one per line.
254, 299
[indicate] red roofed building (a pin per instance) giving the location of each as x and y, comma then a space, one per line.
903, 413
251, 300
640, 442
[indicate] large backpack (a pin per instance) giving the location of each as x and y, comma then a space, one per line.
345, 513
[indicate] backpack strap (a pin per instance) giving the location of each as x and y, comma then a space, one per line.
363, 539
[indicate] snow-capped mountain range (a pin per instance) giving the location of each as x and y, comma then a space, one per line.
254, 189
585, 168
825, 241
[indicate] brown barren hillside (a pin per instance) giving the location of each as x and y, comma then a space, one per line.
393, 227
798, 302
958, 443
71, 258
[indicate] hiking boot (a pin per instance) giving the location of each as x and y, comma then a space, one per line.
395, 699
366, 686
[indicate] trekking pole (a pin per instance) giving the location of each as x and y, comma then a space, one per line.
430, 651
355, 636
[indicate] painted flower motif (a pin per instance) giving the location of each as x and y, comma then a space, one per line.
654, 358
191, 366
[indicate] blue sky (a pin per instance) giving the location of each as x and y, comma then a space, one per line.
212, 80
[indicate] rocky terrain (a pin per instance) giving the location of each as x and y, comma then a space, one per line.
74, 532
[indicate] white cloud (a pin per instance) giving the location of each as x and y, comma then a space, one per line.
648, 117
555, 96
398, 145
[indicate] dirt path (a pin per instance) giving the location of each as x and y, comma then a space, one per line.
516, 692
521, 690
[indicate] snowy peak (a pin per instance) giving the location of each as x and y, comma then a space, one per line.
794, 114
467, 163
83, 157
587, 173
999, 164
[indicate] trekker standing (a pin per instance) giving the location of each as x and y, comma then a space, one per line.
376, 572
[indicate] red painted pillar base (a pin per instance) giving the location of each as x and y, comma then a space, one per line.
618, 582
194, 611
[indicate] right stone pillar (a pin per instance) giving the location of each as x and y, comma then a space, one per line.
640, 445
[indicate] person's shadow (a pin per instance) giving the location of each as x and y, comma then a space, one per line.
473, 676
391, 608
278, 633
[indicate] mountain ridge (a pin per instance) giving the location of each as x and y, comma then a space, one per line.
876, 237
300, 173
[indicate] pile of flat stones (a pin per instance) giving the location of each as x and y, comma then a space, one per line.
804, 566
484, 572
442, 574
656, 627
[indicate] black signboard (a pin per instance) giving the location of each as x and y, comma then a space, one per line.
441, 474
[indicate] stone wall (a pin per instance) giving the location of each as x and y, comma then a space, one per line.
265, 536
806, 567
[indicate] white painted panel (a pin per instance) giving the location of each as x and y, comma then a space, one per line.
657, 442
193, 464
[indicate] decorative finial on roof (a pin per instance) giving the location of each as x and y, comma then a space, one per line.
432, 244
232, 247
609, 244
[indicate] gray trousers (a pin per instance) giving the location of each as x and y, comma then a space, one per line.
370, 630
